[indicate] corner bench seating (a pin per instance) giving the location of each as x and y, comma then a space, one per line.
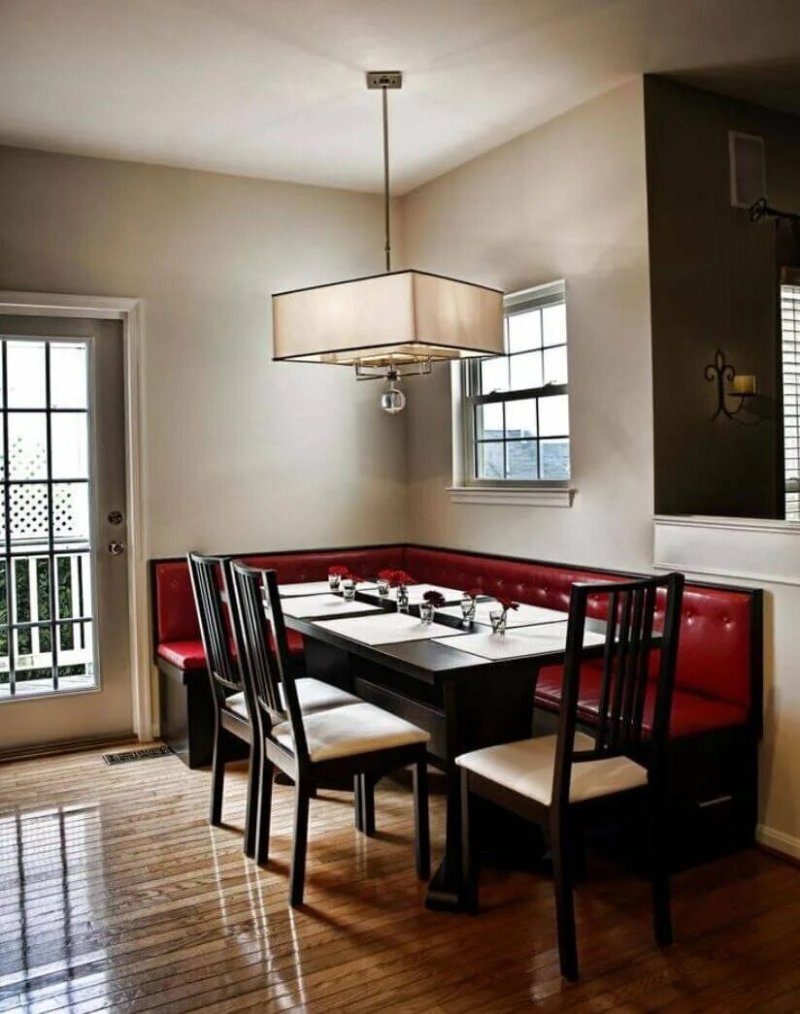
716, 714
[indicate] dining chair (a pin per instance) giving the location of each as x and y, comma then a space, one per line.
229, 694
355, 741
565, 781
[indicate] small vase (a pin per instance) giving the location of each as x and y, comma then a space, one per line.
348, 590
426, 611
468, 610
383, 587
402, 599
497, 617
333, 582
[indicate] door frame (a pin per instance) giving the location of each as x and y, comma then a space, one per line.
131, 312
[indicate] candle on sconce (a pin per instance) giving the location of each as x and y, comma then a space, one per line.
744, 384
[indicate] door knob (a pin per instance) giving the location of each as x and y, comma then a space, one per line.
116, 548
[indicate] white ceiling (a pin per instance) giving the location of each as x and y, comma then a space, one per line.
275, 88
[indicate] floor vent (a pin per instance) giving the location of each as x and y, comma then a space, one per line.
136, 755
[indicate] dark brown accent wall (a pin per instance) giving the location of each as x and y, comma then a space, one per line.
713, 285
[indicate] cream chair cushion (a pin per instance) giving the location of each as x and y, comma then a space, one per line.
352, 729
237, 704
314, 695
526, 767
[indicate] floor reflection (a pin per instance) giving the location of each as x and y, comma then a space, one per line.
53, 890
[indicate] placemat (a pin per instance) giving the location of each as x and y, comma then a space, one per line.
312, 588
524, 616
524, 641
325, 605
416, 591
387, 628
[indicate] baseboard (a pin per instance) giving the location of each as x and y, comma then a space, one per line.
778, 841
70, 746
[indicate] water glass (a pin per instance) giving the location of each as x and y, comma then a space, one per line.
383, 587
497, 618
334, 581
468, 610
348, 589
426, 611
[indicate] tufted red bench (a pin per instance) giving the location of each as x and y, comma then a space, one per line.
716, 715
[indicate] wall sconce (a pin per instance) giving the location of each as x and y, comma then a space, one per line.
743, 386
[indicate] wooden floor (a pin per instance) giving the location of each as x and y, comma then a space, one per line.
116, 894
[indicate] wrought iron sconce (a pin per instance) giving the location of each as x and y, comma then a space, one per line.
743, 386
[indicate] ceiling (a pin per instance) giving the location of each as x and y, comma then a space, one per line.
275, 88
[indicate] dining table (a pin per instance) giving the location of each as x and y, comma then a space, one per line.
457, 679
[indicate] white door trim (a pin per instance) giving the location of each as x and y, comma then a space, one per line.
131, 313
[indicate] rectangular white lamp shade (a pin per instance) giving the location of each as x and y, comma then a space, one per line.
388, 320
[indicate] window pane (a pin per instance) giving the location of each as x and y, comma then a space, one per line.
524, 331
554, 416
70, 445
29, 513
70, 513
555, 365
27, 445
526, 371
494, 374
554, 324
489, 421
555, 459
521, 418
26, 388
521, 459
490, 461
68, 376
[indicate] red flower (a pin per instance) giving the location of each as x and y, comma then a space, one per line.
473, 593
354, 578
400, 579
507, 603
338, 571
435, 599
385, 575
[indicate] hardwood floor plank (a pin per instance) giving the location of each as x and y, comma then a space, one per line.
115, 894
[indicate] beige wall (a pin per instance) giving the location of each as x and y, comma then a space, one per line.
565, 201
240, 452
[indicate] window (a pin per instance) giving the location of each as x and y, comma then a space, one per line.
516, 406
790, 356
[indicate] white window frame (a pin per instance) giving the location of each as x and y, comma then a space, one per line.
467, 487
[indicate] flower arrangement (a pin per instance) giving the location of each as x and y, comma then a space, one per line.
386, 575
349, 582
498, 617
431, 601
400, 579
468, 605
472, 593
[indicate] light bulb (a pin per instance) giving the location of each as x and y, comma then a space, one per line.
393, 401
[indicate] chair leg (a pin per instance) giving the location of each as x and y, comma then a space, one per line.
364, 795
265, 780
660, 879
299, 845
217, 776
469, 868
565, 908
253, 789
422, 835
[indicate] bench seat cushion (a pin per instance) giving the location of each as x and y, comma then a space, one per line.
183, 654
691, 713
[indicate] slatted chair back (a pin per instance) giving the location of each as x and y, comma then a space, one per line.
270, 675
208, 580
632, 649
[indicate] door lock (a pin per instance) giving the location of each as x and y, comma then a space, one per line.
116, 548
115, 517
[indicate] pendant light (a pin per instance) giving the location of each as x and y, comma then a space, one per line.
388, 325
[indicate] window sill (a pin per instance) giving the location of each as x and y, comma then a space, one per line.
546, 496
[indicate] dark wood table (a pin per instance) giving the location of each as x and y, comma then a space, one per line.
462, 700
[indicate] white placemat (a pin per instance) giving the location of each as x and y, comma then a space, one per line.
523, 642
312, 588
524, 616
387, 628
416, 591
325, 605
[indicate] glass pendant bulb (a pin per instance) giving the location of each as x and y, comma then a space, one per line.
392, 400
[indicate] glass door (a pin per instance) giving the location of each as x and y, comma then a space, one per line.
61, 531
